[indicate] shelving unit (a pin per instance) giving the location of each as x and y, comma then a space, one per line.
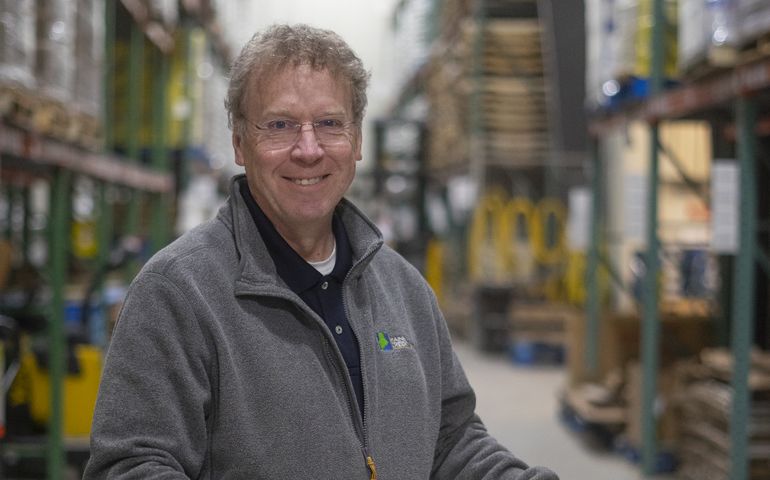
127, 163
741, 93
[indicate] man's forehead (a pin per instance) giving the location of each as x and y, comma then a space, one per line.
266, 83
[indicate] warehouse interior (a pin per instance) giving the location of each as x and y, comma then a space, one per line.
585, 185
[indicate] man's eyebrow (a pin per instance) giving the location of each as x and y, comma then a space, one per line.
277, 113
286, 114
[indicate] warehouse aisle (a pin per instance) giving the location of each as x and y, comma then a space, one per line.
520, 408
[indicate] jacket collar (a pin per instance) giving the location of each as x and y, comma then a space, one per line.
256, 264
291, 267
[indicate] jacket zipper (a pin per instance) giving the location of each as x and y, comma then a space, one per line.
353, 412
372, 468
361, 429
367, 456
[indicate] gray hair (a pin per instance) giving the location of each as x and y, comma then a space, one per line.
281, 46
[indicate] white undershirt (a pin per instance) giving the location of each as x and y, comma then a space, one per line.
325, 267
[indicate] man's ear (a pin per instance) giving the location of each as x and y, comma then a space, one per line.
357, 145
237, 148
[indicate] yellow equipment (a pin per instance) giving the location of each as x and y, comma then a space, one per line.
32, 387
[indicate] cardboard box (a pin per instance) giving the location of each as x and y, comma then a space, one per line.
684, 332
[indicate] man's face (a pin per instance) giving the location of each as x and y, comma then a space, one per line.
300, 184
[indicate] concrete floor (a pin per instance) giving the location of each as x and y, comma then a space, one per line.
519, 405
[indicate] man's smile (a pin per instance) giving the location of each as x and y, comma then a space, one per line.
306, 181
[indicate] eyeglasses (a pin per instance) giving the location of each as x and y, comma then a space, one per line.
279, 134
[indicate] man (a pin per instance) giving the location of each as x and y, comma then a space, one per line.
283, 340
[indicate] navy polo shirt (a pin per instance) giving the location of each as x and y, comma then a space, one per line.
322, 293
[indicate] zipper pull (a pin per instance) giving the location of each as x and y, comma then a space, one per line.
372, 468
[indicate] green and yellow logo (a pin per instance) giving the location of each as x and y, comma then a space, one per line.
388, 343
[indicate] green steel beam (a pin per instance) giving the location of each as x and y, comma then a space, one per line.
743, 291
189, 74
160, 158
10, 199
650, 335
8, 232
26, 237
763, 258
58, 247
592, 278
104, 233
476, 153
615, 276
104, 221
108, 75
133, 136
134, 117
650, 318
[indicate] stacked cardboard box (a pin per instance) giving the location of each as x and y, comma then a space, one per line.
704, 406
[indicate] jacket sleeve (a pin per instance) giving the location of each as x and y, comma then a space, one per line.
464, 449
150, 416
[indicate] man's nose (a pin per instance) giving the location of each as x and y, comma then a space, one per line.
307, 148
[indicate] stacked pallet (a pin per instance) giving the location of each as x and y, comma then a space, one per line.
512, 92
486, 89
448, 142
451, 14
537, 333
705, 403
511, 8
447, 91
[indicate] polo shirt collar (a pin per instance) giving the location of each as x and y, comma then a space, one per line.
291, 267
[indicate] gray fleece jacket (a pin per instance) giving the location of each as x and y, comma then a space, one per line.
217, 370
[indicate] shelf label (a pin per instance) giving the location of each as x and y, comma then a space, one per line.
579, 222
635, 208
725, 176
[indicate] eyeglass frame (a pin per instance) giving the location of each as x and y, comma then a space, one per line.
263, 130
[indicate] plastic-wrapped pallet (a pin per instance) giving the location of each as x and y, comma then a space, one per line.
619, 49
597, 52
412, 36
166, 11
707, 33
754, 19
623, 32
17, 42
611, 27
89, 56
55, 68
644, 26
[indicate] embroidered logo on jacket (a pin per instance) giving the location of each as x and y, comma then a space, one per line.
388, 343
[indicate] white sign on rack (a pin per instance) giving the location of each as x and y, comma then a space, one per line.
635, 208
579, 222
725, 198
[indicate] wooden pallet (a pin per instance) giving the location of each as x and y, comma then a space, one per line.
527, 106
30, 111
714, 60
511, 65
718, 59
513, 86
755, 49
